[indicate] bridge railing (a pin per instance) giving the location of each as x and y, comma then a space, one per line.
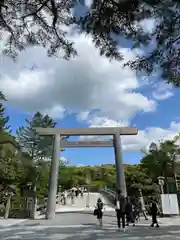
41, 208
109, 193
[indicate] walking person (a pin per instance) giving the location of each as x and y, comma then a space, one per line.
77, 192
65, 197
120, 204
154, 211
72, 196
129, 212
99, 211
137, 210
81, 192
134, 214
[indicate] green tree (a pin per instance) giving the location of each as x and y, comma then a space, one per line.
38, 147
66, 177
8, 166
162, 162
2, 97
3, 120
106, 21
109, 175
5, 131
20, 17
109, 20
137, 178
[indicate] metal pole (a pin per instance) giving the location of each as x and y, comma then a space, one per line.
120, 176
53, 179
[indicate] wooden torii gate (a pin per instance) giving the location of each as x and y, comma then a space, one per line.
58, 143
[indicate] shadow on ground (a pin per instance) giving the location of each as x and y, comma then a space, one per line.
90, 233
87, 212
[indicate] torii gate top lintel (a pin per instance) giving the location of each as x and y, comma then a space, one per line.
104, 131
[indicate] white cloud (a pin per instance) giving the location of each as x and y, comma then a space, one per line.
148, 25
88, 3
82, 116
162, 96
140, 141
86, 83
102, 122
106, 122
162, 91
65, 160
56, 111
100, 92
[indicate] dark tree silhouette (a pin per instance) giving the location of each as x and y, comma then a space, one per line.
30, 22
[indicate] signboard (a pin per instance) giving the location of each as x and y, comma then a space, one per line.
169, 204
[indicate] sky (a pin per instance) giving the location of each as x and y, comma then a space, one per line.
90, 91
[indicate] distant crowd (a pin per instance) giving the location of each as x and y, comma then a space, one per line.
75, 192
128, 211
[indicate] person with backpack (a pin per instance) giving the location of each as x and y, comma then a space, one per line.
99, 211
120, 203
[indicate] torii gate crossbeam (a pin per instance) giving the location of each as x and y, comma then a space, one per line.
86, 144
59, 132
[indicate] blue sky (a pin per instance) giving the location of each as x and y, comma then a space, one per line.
90, 91
166, 112
89, 156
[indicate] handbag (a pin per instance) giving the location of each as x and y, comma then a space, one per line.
95, 212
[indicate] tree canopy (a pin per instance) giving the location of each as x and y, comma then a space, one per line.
42, 22
38, 147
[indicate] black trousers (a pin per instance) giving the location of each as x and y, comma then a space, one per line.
120, 218
154, 218
129, 218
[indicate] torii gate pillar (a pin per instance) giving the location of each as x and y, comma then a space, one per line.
120, 176
53, 179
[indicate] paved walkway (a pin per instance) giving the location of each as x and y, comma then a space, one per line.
80, 204
70, 218
10, 222
171, 221
80, 224
83, 226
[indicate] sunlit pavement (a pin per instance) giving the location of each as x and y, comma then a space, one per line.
83, 226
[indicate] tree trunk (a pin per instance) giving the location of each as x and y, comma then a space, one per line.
8, 205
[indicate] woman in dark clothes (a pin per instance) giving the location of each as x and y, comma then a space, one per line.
154, 211
129, 212
99, 211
